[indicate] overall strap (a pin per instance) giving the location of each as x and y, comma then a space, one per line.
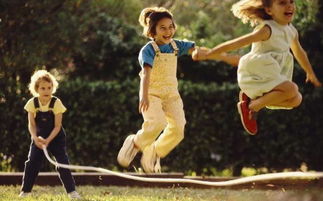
174, 47
156, 48
52, 102
36, 103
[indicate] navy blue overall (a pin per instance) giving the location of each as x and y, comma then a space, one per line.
45, 122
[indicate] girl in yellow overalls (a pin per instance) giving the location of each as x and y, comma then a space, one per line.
160, 102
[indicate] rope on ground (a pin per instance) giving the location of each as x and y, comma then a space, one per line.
238, 181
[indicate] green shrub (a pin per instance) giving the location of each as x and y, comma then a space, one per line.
101, 114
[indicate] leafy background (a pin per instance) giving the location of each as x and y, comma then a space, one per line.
92, 47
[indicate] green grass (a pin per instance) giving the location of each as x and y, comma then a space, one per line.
114, 193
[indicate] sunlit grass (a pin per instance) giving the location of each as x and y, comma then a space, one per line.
114, 193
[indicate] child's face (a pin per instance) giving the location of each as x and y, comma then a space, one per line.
165, 31
282, 11
45, 90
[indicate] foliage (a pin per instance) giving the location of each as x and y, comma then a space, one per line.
306, 15
32, 34
311, 37
90, 42
108, 49
84, 40
101, 39
101, 114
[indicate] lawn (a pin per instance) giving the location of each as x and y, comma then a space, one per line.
114, 193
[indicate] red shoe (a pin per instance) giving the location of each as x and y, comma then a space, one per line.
247, 118
243, 97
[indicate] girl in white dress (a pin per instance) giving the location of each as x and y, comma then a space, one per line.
265, 73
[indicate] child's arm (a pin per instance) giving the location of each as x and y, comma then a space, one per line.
231, 59
32, 130
199, 53
260, 35
56, 129
144, 87
302, 59
191, 50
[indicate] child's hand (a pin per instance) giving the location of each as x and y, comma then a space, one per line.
45, 141
311, 77
195, 54
143, 104
199, 53
39, 142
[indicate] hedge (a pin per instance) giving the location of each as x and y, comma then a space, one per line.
101, 114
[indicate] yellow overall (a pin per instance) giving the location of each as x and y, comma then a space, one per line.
165, 112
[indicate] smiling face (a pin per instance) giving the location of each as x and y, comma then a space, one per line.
165, 30
45, 90
282, 11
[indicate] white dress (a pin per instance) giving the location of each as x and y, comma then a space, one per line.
269, 63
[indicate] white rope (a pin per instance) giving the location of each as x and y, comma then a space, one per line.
264, 177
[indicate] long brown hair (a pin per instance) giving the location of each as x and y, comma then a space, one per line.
252, 11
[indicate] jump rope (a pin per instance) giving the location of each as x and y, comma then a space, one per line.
264, 177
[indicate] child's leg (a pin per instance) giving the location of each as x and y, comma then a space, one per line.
154, 123
58, 149
172, 135
174, 132
285, 94
32, 167
290, 103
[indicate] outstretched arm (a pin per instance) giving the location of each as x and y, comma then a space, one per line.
215, 53
256, 36
200, 53
232, 59
304, 62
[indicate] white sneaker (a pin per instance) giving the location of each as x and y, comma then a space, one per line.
150, 162
127, 152
74, 195
24, 194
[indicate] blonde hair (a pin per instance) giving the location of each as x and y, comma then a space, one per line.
252, 11
37, 77
149, 17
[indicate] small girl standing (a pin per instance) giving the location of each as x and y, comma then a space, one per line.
265, 73
160, 102
45, 114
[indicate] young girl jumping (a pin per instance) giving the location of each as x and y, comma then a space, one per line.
265, 73
160, 102
45, 126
